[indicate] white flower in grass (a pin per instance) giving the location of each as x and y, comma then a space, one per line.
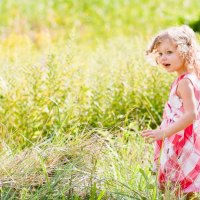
3, 85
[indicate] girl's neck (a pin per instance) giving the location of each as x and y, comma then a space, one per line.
184, 73
184, 70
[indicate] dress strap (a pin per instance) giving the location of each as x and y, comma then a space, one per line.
191, 77
174, 86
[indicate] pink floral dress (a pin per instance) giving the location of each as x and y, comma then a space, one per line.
179, 154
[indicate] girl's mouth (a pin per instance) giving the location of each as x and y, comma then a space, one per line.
166, 65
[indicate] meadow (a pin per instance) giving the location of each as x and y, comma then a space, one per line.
75, 92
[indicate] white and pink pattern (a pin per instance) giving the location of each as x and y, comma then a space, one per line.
179, 154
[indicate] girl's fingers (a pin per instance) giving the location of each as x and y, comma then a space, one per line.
147, 134
146, 131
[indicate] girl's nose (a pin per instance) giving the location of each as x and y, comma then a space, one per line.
164, 57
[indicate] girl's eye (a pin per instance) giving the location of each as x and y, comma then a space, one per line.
169, 52
160, 54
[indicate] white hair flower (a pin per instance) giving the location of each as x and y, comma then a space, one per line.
183, 48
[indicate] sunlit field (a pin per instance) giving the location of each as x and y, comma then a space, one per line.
76, 90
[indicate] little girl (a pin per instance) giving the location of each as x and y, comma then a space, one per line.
178, 136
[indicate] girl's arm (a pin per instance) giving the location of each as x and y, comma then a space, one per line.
185, 91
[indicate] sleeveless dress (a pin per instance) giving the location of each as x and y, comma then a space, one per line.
178, 156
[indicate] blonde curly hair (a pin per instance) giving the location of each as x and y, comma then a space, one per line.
184, 38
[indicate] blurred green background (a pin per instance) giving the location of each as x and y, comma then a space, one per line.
91, 19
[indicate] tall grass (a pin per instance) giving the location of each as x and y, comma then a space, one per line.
89, 90
41, 21
70, 125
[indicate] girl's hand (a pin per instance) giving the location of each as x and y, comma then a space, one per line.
153, 135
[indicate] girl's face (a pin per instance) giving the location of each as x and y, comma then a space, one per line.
170, 58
